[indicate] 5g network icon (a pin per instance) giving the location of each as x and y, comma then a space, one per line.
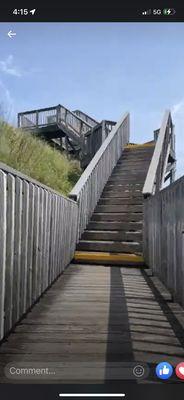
164, 370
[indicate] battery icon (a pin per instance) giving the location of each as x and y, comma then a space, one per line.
169, 11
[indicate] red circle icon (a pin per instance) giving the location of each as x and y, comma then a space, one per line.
180, 370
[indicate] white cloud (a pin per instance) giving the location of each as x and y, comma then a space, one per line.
178, 108
7, 109
8, 67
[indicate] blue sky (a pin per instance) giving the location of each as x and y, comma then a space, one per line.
104, 69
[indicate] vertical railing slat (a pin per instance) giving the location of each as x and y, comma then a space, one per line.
24, 246
3, 249
30, 265
9, 251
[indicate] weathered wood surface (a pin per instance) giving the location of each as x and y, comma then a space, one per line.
159, 164
45, 116
3, 248
38, 231
164, 236
99, 317
85, 117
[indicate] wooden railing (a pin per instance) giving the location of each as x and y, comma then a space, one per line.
94, 139
53, 115
38, 230
85, 117
90, 186
80, 129
164, 236
158, 167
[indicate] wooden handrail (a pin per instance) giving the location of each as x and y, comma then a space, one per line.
91, 183
156, 171
86, 117
88, 171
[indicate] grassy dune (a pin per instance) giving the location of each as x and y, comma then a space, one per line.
33, 157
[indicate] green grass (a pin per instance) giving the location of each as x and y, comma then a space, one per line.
33, 157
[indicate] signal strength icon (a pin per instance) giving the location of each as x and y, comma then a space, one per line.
146, 12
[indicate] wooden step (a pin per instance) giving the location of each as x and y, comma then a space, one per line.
126, 169
121, 171
143, 156
127, 173
115, 236
128, 180
117, 217
148, 150
124, 186
137, 153
118, 208
113, 247
111, 225
129, 193
120, 201
131, 166
123, 161
135, 156
128, 185
106, 258
140, 145
134, 161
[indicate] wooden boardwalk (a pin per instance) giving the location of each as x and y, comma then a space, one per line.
94, 316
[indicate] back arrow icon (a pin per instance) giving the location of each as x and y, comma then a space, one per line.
11, 34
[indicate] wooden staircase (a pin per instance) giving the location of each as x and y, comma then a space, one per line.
114, 233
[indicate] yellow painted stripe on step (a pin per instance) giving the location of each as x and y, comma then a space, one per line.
135, 146
102, 256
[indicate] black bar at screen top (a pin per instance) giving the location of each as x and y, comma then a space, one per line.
92, 14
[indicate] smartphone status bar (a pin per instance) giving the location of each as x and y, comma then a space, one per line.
92, 14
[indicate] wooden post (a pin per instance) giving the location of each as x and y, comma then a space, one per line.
37, 118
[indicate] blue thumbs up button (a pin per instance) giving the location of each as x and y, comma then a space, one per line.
164, 370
